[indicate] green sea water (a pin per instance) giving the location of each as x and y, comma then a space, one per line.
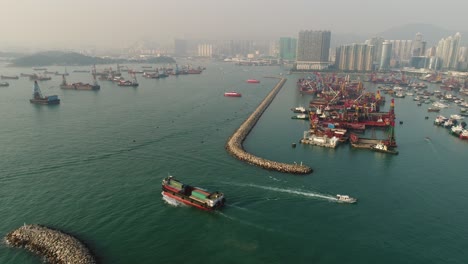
92, 166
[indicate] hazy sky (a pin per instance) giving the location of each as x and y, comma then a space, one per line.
117, 23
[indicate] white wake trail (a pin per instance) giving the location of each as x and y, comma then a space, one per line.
171, 201
307, 194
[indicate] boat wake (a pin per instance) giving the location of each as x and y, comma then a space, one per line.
291, 191
248, 223
172, 201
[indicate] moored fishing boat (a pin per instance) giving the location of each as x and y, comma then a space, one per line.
456, 130
193, 196
36, 77
464, 134
433, 109
381, 147
301, 116
15, 77
299, 109
322, 140
232, 94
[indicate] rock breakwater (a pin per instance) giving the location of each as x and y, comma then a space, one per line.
234, 143
55, 246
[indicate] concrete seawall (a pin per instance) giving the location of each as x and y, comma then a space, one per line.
234, 143
55, 246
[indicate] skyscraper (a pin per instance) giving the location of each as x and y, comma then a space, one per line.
313, 50
386, 56
205, 50
377, 43
287, 50
419, 46
447, 51
354, 57
401, 49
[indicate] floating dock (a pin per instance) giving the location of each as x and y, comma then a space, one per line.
234, 143
53, 245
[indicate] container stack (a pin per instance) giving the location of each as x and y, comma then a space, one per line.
199, 195
177, 185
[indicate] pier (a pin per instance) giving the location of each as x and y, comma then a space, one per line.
53, 245
234, 143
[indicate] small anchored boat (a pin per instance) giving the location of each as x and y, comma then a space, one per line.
232, 94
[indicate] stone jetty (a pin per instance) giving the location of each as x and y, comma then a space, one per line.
235, 148
55, 246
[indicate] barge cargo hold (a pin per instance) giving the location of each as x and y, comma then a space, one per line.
192, 196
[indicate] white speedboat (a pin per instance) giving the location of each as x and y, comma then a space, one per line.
345, 199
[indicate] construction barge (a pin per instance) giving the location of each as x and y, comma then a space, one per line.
342, 106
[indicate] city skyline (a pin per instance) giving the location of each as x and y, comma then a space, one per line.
113, 24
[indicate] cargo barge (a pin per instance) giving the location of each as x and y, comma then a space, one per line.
192, 196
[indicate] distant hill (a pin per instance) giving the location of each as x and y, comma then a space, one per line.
431, 33
10, 54
72, 58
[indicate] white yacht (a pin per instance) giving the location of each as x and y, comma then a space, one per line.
345, 199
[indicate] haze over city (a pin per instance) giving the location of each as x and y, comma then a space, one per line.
116, 24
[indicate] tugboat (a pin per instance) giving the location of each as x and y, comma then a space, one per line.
345, 199
38, 98
381, 147
301, 116
192, 196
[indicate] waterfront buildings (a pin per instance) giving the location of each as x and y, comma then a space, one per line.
463, 59
355, 57
448, 51
287, 49
386, 56
419, 46
205, 50
401, 50
313, 49
377, 42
